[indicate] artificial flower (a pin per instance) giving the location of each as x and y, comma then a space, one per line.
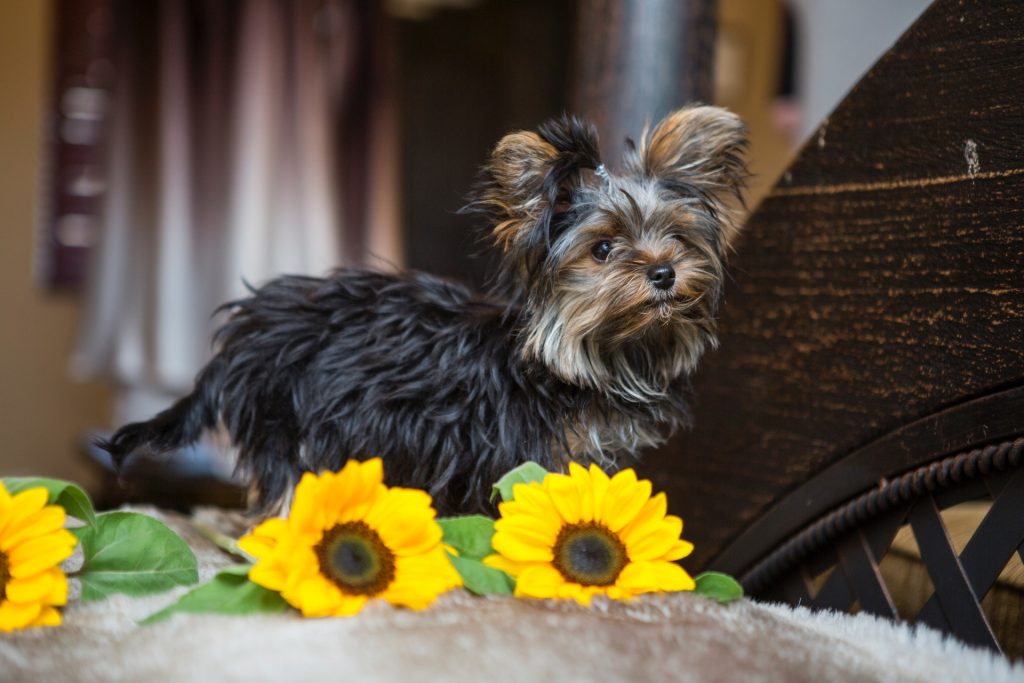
583, 534
33, 543
350, 539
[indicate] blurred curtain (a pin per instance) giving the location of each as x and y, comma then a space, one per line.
249, 138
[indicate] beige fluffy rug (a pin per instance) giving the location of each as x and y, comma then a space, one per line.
461, 638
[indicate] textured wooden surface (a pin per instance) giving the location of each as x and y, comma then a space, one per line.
881, 281
961, 572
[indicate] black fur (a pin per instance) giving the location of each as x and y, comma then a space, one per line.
410, 367
568, 357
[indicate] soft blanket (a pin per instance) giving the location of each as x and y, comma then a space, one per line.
677, 637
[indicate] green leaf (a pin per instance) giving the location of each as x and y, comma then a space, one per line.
229, 592
130, 553
481, 579
470, 535
68, 495
236, 569
524, 474
718, 586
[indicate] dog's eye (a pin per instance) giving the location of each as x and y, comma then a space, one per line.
601, 250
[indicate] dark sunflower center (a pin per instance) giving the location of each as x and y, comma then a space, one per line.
589, 554
355, 559
5, 575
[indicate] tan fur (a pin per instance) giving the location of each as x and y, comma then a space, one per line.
703, 144
519, 163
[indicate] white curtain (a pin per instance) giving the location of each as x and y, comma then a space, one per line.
225, 152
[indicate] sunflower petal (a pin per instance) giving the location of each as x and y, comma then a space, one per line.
269, 574
58, 595
581, 594
437, 564
671, 577
45, 521
518, 550
262, 540
506, 565
30, 589
315, 597
584, 491
656, 543
354, 490
539, 581
404, 519
625, 498
637, 577
564, 496
15, 616
307, 512
528, 529
24, 505
599, 482
372, 472
647, 520
647, 577
37, 554
343, 491
680, 550
48, 616
6, 506
420, 580
535, 501
350, 605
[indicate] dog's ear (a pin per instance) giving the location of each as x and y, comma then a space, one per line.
696, 152
526, 186
511, 192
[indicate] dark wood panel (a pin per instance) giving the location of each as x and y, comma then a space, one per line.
992, 418
879, 283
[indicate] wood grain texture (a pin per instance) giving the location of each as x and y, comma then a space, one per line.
637, 60
963, 427
879, 283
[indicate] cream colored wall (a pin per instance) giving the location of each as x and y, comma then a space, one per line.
747, 74
42, 412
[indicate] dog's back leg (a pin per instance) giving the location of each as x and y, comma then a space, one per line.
269, 456
178, 426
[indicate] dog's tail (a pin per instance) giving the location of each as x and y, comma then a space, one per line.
180, 425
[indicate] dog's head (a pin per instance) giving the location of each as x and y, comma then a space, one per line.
619, 273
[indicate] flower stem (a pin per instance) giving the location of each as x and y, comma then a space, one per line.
222, 541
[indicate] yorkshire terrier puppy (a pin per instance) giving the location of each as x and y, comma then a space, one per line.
605, 301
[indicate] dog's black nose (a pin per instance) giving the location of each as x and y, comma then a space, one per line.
661, 275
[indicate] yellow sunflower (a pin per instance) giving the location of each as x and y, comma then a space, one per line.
33, 543
583, 534
350, 539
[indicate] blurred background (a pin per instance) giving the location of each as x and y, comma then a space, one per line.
156, 154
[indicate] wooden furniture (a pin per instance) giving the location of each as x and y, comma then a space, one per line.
871, 370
